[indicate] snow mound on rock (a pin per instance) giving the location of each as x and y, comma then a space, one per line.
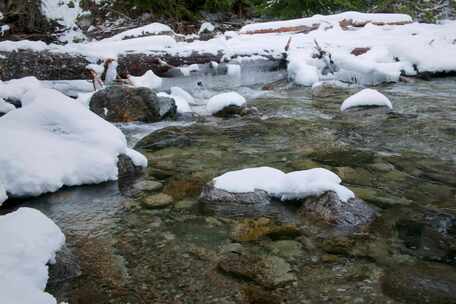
218, 102
148, 80
366, 97
29, 241
294, 185
53, 141
150, 29
181, 103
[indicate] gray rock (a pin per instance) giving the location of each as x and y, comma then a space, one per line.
158, 201
230, 111
212, 194
267, 271
352, 215
127, 104
127, 169
148, 185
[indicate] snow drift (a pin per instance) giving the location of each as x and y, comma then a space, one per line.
29, 241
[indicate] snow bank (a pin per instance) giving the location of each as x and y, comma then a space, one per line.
29, 240
294, 185
218, 102
148, 80
392, 49
366, 97
53, 141
147, 30
355, 17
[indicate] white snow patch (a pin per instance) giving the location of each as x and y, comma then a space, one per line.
356, 17
176, 91
294, 185
29, 241
148, 80
218, 102
366, 97
234, 70
6, 107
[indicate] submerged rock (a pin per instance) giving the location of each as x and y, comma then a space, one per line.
66, 267
421, 283
267, 271
351, 215
158, 201
127, 104
254, 229
430, 236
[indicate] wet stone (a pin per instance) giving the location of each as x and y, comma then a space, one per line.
345, 216
421, 283
254, 229
148, 186
158, 201
267, 271
287, 249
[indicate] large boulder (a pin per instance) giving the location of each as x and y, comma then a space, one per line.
127, 104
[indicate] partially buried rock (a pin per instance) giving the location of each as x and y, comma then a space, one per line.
127, 104
354, 214
127, 169
267, 271
421, 283
157, 201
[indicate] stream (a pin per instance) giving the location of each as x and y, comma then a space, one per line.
403, 164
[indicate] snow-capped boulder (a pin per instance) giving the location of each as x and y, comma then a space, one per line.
366, 98
127, 104
318, 190
53, 141
226, 104
279, 185
148, 80
29, 240
206, 31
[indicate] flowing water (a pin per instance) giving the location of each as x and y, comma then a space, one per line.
402, 163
